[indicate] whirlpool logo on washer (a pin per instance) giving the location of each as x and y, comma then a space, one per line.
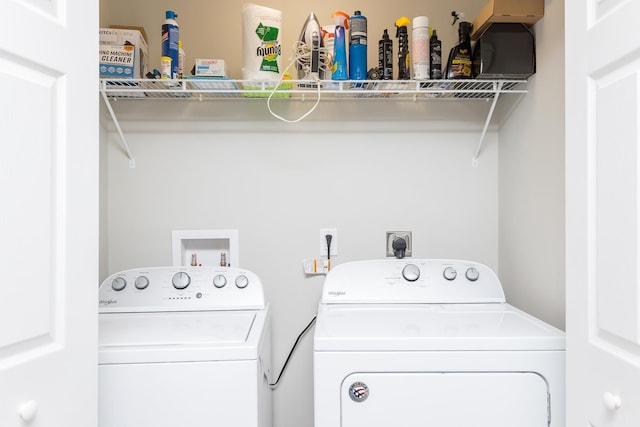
108, 301
337, 293
358, 391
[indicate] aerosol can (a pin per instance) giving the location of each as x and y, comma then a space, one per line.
308, 64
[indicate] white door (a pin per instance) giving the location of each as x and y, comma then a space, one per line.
48, 213
603, 212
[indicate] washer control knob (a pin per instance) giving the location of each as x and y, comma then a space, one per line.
472, 274
242, 281
411, 272
180, 280
142, 282
219, 281
118, 284
450, 273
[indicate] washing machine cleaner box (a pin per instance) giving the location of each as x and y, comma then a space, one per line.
210, 68
123, 53
170, 41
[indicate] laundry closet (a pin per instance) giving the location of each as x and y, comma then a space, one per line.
359, 165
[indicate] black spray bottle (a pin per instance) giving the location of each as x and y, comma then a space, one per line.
404, 71
385, 57
435, 50
459, 63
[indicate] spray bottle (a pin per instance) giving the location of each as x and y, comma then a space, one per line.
385, 57
358, 46
170, 38
403, 48
339, 67
459, 63
435, 49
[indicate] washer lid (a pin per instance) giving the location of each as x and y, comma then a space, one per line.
432, 327
180, 336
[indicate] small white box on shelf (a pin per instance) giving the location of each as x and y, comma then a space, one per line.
205, 247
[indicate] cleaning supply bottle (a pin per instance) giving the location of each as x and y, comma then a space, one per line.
385, 57
459, 63
328, 34
435, 50
170, 38
339, 67
181, 56
403, 48
357, 46
420, 48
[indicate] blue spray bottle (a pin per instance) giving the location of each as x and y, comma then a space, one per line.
358, 47
339, 66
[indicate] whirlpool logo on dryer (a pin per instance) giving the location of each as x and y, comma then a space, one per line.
337, 293
108, 301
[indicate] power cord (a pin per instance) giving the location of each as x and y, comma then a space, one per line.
286, 362
302, 56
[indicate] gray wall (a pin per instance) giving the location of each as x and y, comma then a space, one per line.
532, 182
279, 184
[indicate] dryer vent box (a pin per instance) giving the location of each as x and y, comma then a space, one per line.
205, 247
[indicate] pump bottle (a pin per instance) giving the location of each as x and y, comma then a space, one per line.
170, 39
403, 48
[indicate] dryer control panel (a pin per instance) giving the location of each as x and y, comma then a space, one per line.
420, 281
158, 289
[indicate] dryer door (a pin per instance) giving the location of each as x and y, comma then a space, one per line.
445, 399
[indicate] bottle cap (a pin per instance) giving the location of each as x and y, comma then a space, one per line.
170, 14
402, 22
420, 22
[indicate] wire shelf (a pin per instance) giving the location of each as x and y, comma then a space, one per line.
218, 88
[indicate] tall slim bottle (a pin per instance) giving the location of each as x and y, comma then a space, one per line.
357, 46
170, 39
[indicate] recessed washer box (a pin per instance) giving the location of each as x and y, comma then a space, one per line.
205, 247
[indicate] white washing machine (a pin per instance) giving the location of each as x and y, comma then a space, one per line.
432, 343
184, 346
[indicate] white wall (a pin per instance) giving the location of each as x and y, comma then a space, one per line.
532, 182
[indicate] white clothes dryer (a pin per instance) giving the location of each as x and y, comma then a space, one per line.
184, 346
432, 343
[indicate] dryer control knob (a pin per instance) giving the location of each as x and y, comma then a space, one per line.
450, 273
411, 272
180, 280
219, 281
472, 274
118, 284
242, 281
142, 282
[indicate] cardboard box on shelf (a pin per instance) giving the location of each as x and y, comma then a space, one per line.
507, 11
123, 52
210, 68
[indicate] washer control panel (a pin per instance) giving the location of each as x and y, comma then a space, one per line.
181, 289
412, 281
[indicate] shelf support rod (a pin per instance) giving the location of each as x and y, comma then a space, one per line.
123, 140
498, 90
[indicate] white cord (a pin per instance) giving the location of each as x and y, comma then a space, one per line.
302, 57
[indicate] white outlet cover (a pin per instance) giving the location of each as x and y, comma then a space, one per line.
323, 241
406, 235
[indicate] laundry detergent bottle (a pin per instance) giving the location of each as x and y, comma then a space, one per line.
170, 39
339, 70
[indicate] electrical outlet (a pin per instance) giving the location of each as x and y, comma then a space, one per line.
323, 241
392, 235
